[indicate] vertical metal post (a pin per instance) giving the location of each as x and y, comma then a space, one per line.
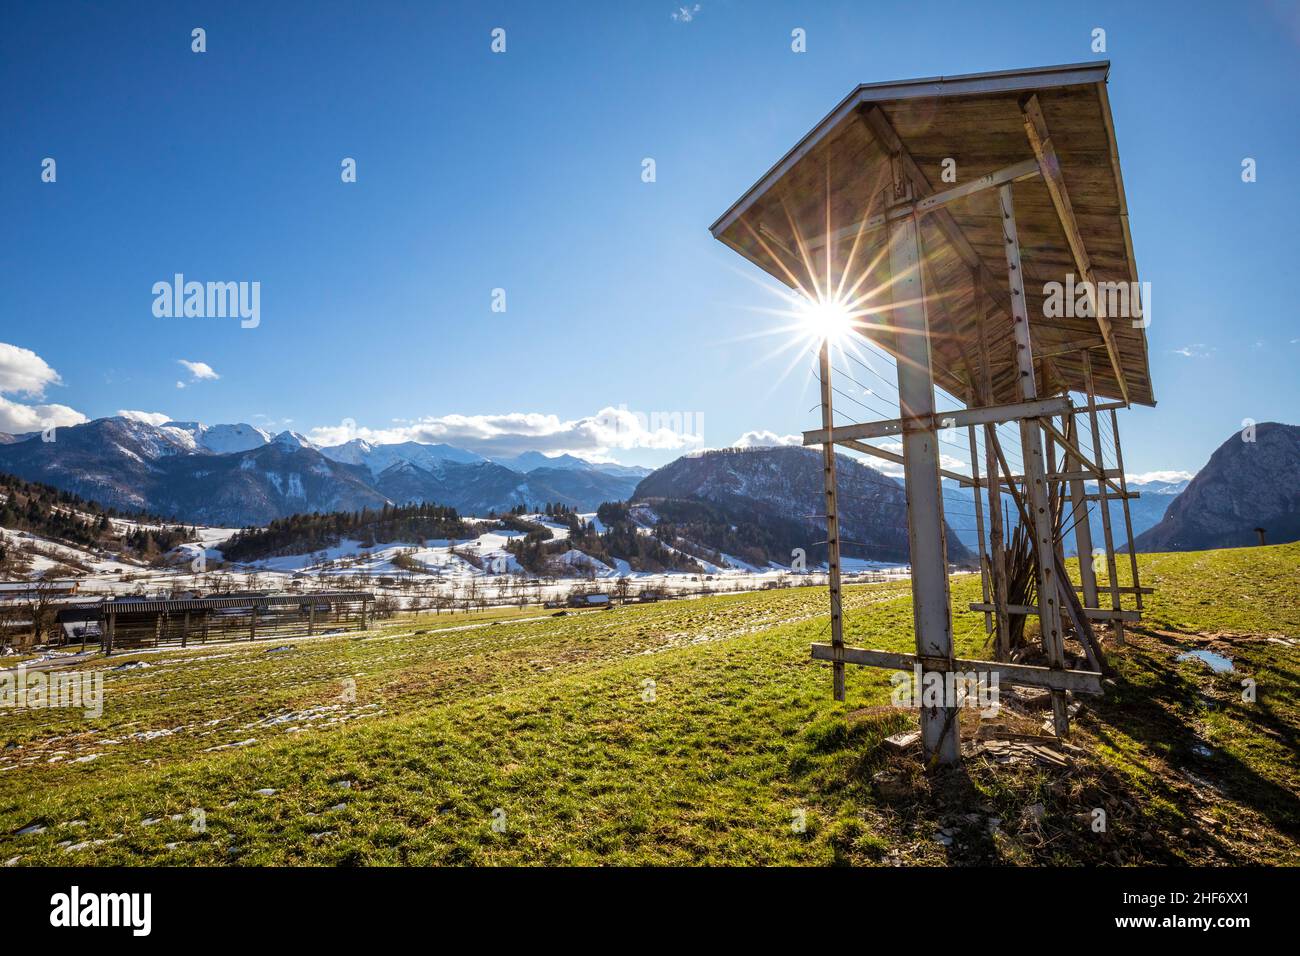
1103, 497
832, 519
1128, 518
997, 555
1031, 441
931, 611
979, 526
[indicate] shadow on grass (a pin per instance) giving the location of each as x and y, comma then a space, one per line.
1155, 705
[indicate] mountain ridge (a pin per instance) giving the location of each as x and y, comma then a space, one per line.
1245, 485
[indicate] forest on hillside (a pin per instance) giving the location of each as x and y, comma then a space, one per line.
621, 539
70, 519
305, 533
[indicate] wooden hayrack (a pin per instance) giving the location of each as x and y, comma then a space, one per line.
948, 208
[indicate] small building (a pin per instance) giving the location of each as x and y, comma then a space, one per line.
148, 622
80, 623
37, 590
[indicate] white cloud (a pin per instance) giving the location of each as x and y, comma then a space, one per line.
1149, 476
765, 439
1197, 350
512, 433
199, 370
23, 372
686, 14
16, 418
151, 418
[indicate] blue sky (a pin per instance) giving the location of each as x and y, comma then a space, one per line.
522, 171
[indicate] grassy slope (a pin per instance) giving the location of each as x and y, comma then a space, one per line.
548, 720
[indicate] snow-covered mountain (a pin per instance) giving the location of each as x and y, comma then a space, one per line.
379, 458
181, 469
222, 439
531, 461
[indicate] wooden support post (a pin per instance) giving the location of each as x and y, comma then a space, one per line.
1031, 441
207, 614
1082, 528
979, 525
1103, 499
185, 630
931, 611
252, 622
311, 618
109, 633
1128, 517
832, 518
157, 629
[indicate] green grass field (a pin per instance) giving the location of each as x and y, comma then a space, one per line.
693, 732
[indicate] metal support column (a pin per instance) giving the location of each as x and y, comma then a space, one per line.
932, 614
1031, 440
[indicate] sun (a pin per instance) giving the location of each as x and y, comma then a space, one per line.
829, 320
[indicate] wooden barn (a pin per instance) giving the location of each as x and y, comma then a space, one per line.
147, 622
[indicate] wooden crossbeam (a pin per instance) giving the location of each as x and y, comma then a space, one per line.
957, 418
1043, 349
1026, 169
1099, 407
1088, 464
1041, 142
1127, 589
1028, 675
1092, 613
891, 143
897, 459
1013, 480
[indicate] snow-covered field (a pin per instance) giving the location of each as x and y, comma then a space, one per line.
478, 570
